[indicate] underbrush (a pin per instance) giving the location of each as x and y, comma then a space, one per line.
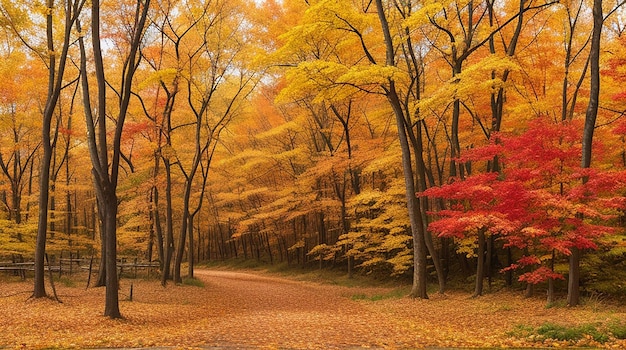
587, 334
189, 281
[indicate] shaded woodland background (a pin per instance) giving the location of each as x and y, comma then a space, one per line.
371, 136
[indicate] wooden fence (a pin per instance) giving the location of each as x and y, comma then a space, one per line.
18, 267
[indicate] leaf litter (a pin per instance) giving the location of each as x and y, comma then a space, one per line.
253, 310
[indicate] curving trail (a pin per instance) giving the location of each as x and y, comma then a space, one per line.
269, 311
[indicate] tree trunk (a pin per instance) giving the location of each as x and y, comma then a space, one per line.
417, 226
183, 233
169, 226
190, 254
181, 245
418, 148
480, 264
55, 81
550, 293
156, 216
573, 284
40, 249
111, 308
509, 261
102, 271
573, 281
106, 173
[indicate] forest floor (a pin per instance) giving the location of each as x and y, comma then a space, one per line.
249, 310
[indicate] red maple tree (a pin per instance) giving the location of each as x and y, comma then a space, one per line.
538, 203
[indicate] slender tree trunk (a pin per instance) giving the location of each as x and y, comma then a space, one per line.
169, 226
413, 204
106, 174
190, 253
455, 147
573, 284
480, 264
550, 292
102, 271
55, 81
30, 189
68, 199
182, 238
156, 216
420, 167
112, 308
44, 175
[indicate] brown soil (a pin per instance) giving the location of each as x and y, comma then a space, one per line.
254, 310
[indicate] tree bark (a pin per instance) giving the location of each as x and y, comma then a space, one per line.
55, 81
480, 264
190, 254
156, 216
169, 225
573, 284
111, 306
106, 174
413, 204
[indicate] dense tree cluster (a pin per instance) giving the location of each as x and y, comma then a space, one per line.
431, 139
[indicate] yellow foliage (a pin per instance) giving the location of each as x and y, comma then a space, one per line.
324, 252
373, 74
401, 262
299, 244
280, 130
164, 75
421, 16
310, 77
473, 80
17, 239
467, 246
294, 154
372, 262
396, 241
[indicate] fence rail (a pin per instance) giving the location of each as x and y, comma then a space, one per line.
70, 265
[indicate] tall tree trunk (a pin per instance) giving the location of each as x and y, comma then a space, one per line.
169, 225
106, 174
55, 85
40, 249
573, 284
420, 167
413, 204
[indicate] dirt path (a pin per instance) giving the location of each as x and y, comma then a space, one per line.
272, 311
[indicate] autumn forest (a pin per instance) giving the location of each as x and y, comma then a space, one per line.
454, 144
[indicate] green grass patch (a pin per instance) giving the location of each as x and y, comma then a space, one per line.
617, 329
67, 281
188, 281
597, 332
565, 333
521, 331
559, 303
